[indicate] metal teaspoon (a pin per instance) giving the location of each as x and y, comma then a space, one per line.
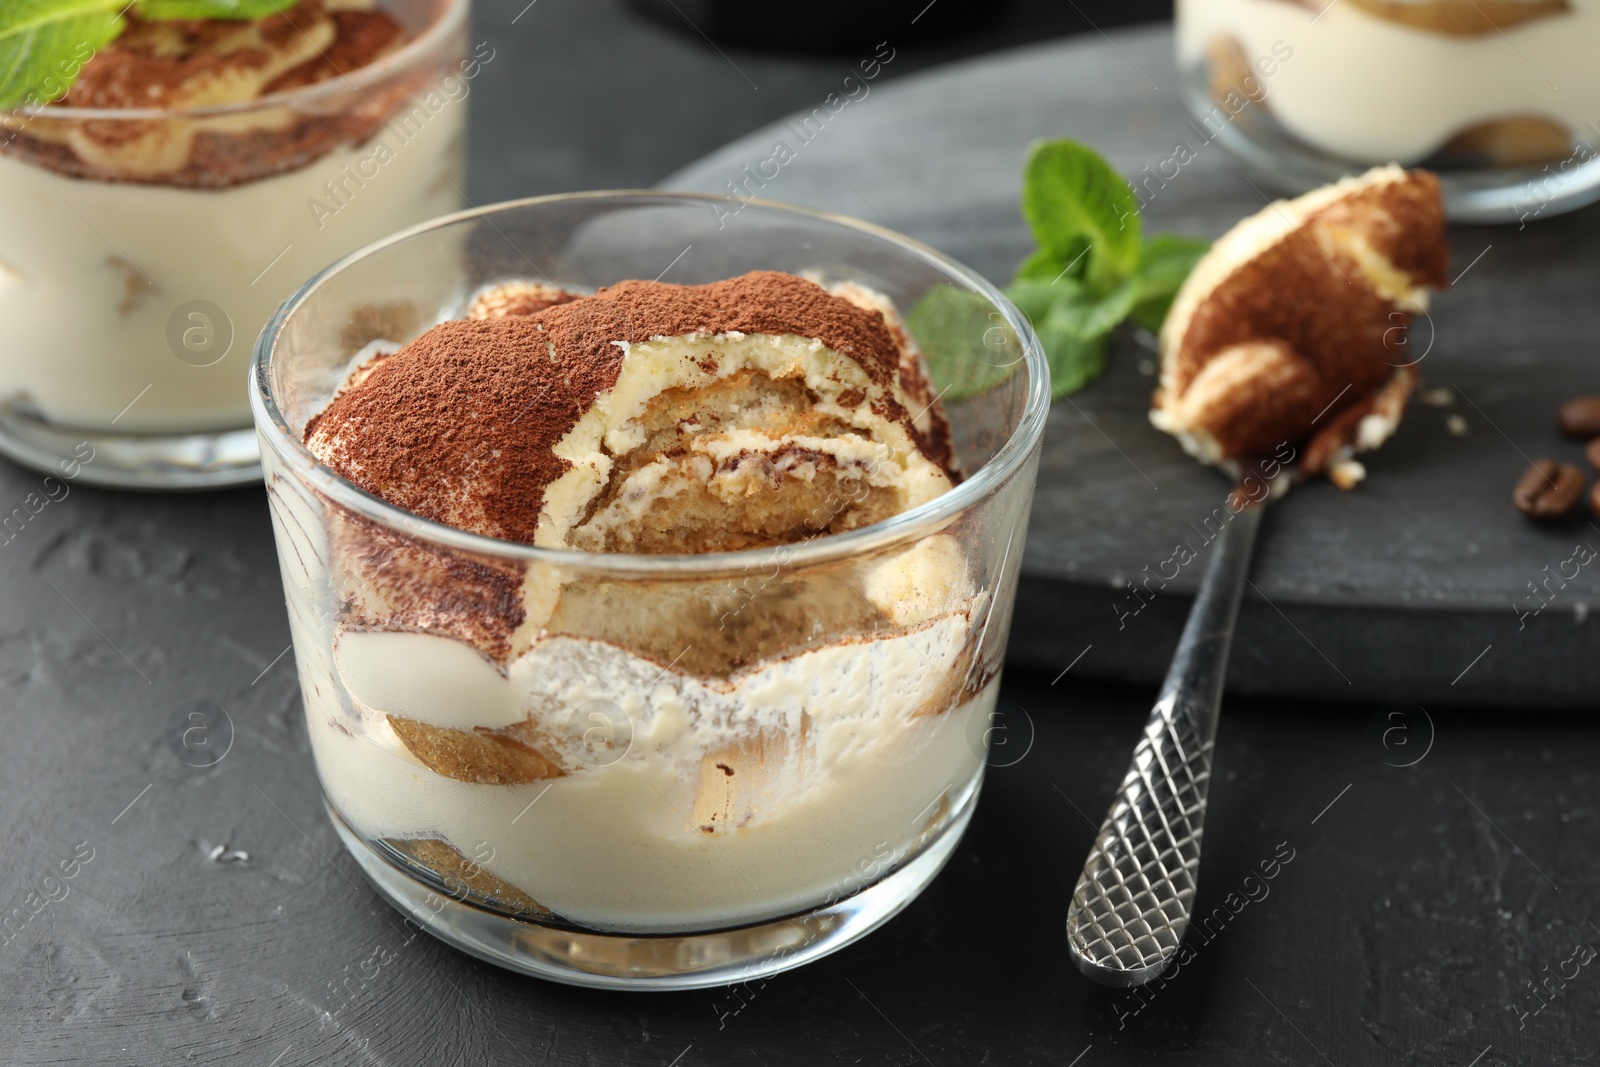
1132, 903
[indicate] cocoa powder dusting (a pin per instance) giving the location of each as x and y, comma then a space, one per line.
153, 61
758, 302
159, 65
363, 37
466, 415
469, 409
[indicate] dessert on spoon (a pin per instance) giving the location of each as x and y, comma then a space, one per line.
1289, 335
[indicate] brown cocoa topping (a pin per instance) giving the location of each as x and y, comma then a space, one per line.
758, 302
466, 415
362, 37
153, 62
518, 298
161, 64
467, 403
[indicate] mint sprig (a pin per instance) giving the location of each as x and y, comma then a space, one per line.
1082, 213
1093, 270
45, 43
1168, 259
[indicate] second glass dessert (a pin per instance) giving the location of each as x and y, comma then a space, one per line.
673, 759
199, 170
1499, 99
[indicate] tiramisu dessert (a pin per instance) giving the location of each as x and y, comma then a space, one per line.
1489, 83
1292, 331
196, 171
639, 748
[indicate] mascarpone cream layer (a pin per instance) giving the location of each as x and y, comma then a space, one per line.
849, 768
844, 753
1376, 91
92, 273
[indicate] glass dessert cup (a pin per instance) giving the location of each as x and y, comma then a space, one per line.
1499, 100
644, 771
142, 249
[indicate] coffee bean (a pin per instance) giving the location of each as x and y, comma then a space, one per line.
1580, 417
1548, 490
1593, 452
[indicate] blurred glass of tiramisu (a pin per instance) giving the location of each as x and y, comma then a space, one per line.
1500, 97
169, 180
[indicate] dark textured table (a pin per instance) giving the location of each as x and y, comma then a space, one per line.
1417, 914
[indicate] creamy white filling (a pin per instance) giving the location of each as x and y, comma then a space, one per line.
616, 845
1374, 430
1373, 90
96, 271
844, 688
1198, 443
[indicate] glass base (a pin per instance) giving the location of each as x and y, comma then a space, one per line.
664, 962
212, 460
1474, 195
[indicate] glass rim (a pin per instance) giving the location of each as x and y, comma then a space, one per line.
452, 16
921, 520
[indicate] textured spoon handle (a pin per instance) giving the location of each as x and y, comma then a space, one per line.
1133, 901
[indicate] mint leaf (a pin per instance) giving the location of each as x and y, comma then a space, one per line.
1075, 362
1091, 270
1076, 330
1034, 298
1047, 267
44, 43
956, 329
966, 356
212, 9
1168, 259
1072, 199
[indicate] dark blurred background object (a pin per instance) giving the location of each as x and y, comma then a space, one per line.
834, 25
825, 25
590, 94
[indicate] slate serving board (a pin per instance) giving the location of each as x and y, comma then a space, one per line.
1414, 587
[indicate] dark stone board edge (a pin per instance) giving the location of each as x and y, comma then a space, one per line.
1321, 652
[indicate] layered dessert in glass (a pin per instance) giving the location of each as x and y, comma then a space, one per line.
649, 632
1499, 98
193, 174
